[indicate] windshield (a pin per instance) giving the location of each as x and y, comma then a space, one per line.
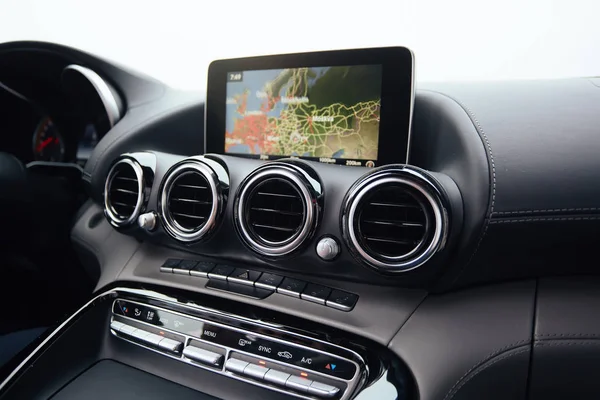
175, 40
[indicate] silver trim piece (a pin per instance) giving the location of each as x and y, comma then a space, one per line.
168, 270
255, 371
322, 389
297, 383
108, 208
412, 106
170, 224
312, 299
111, 106
417, 256
288, 292
274, 249
170, 345
276, 377
202, 355
235, 365
337, 306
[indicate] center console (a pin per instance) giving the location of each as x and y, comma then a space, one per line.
144, 341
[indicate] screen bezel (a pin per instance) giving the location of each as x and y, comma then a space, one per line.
397, 94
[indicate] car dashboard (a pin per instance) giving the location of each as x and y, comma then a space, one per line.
466, 272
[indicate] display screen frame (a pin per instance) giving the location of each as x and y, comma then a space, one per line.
397, 94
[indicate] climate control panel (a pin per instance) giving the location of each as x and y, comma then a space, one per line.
278, 360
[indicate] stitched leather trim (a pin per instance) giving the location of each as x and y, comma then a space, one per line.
549, 210
482, 366
514, 221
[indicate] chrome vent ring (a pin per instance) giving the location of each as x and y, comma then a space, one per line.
191, 201
124, 192
394, 220
276, 211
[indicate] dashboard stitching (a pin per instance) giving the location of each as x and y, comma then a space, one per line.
567, 335
490, 356
559, 343
547, 211
514, 221
456, 388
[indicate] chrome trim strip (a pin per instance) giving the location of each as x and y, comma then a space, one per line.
108, 208
170, 224
409, 261
289, 245
111, 106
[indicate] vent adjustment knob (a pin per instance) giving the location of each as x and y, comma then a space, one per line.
328, 248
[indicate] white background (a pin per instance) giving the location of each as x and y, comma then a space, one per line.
174, 40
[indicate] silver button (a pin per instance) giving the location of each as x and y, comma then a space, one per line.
127, 329
116, 325
166, 269
322, 389
328, 248
298, 383
140, 334
338, 306
235, 365
181, 271
147, 221
153, 339
170, 344
276, 377
203, 356
255, 371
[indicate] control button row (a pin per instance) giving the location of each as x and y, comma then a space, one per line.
203, 356
279, 378
319, 294
147, 337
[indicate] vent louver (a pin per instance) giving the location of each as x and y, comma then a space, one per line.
124, 192
190, 201
394, 220
275, 211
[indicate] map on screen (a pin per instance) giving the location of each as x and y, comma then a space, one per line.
317, 112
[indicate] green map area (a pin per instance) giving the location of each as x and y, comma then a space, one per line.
324, 112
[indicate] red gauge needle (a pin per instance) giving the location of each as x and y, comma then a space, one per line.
45, 143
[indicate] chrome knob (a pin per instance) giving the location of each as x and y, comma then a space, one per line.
147, 221
328, 248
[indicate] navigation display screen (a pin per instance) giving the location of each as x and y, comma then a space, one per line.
330, 114
346, 107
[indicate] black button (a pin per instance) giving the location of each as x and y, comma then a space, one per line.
202, 269
268, 281
238, 288
187, 264
315, 293
341, 300
243, 276
221, 272
291, 287
171, 263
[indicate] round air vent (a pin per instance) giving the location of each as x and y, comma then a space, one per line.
276, 210
124, 192
394, 219
191, 200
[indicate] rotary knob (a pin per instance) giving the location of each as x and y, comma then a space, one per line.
328, 248
147, 221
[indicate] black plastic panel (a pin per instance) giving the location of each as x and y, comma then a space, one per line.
111, 380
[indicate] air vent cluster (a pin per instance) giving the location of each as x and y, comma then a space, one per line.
394, 220
191, 200
276, 210
124, 192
